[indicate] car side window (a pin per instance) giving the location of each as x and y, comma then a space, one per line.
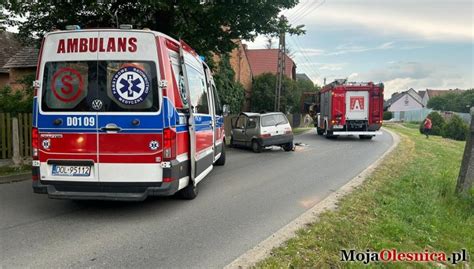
252, 123
240, 123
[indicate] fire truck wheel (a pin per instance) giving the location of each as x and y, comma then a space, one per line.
221, 160
366, 137
189, 192
329, 135
319, 131
256, 147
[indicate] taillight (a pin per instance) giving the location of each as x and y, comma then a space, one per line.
34, 143
169, 144
265, 135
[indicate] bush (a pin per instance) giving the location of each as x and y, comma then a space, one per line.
456, 129
438, 123
387, 115
20, 100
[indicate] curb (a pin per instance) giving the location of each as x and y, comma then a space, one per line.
15, 178
264, 248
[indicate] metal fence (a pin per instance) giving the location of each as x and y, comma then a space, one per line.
420, 115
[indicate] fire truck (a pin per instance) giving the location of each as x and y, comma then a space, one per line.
350, 108
123, 114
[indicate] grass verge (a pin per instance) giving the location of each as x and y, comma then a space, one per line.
300, 130
11, 170
407, 204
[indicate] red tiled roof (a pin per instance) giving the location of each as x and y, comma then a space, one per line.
266, 61
433, 93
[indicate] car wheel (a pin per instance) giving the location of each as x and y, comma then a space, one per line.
221, 160
288, 146
256, 147
189, 192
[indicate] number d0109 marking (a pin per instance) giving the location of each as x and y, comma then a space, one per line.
80, 121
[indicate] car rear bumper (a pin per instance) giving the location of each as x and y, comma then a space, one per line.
276, 140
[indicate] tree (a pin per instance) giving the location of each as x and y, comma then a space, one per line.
230, 92
263, 93
207, 27
453, 101
456, 129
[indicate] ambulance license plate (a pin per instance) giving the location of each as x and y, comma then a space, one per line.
74, 171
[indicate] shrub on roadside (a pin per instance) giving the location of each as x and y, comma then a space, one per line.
387, 115
437, 122
456, 129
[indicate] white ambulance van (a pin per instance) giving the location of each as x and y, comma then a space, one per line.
123, 115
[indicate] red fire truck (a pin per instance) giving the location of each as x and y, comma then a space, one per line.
350, 108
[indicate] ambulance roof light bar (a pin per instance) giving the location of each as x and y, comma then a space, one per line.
126, 26
73, 27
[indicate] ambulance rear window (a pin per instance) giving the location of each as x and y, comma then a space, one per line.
104, 86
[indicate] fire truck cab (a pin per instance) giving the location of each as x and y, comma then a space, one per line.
123, 115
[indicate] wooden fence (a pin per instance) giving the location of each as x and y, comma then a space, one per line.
6, 135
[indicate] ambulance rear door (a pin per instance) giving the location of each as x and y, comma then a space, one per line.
130, 119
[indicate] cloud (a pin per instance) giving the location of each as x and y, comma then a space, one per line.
431, 20
350, 48
332, 67
308, 52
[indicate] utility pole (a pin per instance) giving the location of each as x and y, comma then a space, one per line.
466, 174
280, 65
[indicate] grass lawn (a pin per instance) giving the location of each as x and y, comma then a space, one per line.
10, 170
407, 204
300, 130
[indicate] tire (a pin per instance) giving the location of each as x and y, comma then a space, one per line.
329, 135
288, 146
221, 160
256, 147
189, 192
368, 137
319, 131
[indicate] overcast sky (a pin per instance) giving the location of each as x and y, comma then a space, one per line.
405, 44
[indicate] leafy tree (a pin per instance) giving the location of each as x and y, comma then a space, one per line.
230, 92
437, 122
453, 101
207, 27
387, 115
456, 129
263, 93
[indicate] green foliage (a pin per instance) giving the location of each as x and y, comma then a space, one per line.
206, 27
263, 93
230, 92
455, 101
387, 115
456, 129
18, 101
437, 122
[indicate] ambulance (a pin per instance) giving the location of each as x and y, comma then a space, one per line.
122, 114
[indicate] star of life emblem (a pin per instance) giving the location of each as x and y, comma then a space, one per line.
154, 145
130, 85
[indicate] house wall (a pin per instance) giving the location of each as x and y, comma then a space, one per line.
4, 79
16, 74
405, 103
243, 73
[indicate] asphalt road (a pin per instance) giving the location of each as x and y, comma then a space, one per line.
239, 205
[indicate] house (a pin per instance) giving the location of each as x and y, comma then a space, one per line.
22, 64
303, 76
404, 101
429, 93
266, 61
9, 46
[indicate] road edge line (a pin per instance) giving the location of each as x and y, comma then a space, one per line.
264, 248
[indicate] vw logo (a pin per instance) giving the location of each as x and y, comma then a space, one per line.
97, 104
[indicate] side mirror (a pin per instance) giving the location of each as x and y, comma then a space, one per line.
226, 110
